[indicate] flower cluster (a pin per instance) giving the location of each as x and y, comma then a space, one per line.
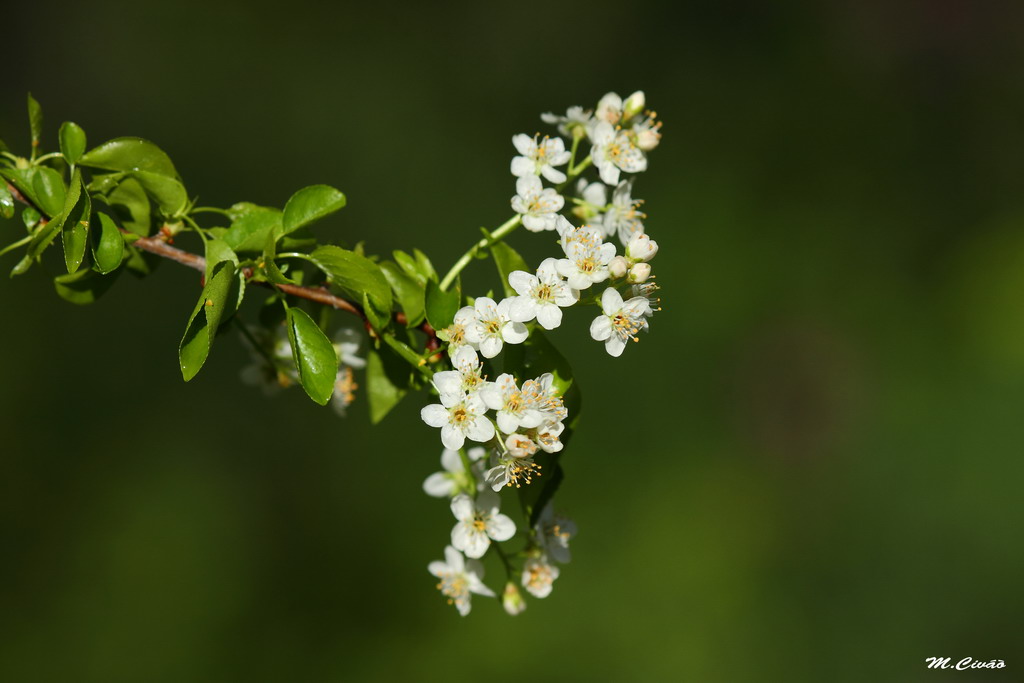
516, 422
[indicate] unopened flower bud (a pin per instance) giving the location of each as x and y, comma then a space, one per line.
520, 446
640, 272
641, 247
647, 138
633, 105
618, 267
512, 599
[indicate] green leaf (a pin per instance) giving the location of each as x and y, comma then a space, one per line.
217, 251
383, 393
355, 275
130, 154
167, 193
72, 141
249, 232
411, 267
108, 245
35, 121
6, 202
310, 204
314, 355
45, 235
74, 235
404, 351
83, 287
407, 290
47, 189
195, 345
103, 183
441, 307
4, 147
507, 260
30, 217
239, 209
376, 313
426, 267
130, 205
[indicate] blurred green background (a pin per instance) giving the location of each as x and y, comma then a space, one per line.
809, 470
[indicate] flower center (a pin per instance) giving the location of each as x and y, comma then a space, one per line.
454, 587
460, 415
625, 327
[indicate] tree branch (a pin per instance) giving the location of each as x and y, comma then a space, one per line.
158, 245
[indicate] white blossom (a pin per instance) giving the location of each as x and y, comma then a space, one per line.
587, 257
459, 578
646, 132
479, 523
539, 157
542, 394
640, 272
613, 150
623, 216
467, 376
555, 531
538, 576
455, 334
576, 118
537, 204
548, 436
620, 321
647, 291
460, 416
455, 477
595, 193
541, 296
512, 470
515, 409
488, 326
641, 247
609, 109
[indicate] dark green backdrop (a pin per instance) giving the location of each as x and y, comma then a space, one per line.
810, 470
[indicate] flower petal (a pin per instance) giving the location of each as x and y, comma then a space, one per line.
434, 415
601, 328
463, 508
614, 346
452, 437
514, 333
522, 282
490, 347
523, 309
481, 430
439, 485
453, 557
549, 316
451, 461
501, 528
611, 301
